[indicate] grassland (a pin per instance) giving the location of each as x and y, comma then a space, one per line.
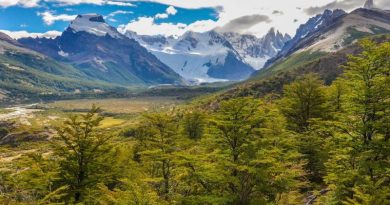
119, 114
292, 62
117, 106
4, 111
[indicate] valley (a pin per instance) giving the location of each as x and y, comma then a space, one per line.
165, 103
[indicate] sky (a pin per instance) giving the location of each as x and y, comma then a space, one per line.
22, 18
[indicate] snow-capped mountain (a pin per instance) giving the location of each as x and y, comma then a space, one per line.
214, 56
202, 57
312, 26
93, 24
256, 51
100, 51
333, 30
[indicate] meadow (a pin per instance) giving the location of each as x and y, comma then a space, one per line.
117, 106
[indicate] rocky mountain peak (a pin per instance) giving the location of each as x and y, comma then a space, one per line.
93, 24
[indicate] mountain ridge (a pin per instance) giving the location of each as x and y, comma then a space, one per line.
100, 51
340, 29
202, 56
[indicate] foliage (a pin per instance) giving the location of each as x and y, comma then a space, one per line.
313, 144
358, 171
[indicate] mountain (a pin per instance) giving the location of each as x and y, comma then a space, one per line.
256, 51
213, 56
200, 57
334, 30
101, 52
328, 66
26, 73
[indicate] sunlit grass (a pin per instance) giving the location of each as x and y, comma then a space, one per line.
109, 122
118, 106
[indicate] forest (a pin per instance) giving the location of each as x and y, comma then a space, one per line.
311, 144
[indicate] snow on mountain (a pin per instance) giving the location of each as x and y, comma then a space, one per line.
361, 22
334, 30
101, 52
256, 51
312, 27
93, 24
202, 57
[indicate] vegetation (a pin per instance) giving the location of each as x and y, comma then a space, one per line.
314, 143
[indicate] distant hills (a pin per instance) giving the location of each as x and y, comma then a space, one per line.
334, 30
101, 52
92, 56
27, 74
214, 56
321, 45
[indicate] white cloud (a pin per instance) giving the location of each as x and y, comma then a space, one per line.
97, 2
119, 3
25, 34
49, 18
147, 26
161, 16
76, 2
111, 16
23, 3
170, 11
227, 11
233, 9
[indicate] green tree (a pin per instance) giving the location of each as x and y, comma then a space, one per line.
82, 150
361, 151
304, 101
254, 150
306, 108
159, 145
194, 124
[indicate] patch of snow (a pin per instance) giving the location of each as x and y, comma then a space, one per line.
333, 40
100, 63
189, 55
84, 23
319, 24
256, 63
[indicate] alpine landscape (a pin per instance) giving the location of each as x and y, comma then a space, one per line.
195, 102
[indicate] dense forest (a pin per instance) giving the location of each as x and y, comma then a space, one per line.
310, 144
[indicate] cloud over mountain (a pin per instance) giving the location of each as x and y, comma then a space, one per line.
49, 18
243, 23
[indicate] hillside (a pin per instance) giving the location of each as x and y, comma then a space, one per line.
102, 53
328, 65
334, 30
28, 74
213, 56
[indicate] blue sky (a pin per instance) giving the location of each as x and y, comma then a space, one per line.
17, 18
21, 18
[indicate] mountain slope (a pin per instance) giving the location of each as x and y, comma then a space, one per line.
101, 52
213, 56
327, 65
200, 57
26, 73
256, 51
334, 30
